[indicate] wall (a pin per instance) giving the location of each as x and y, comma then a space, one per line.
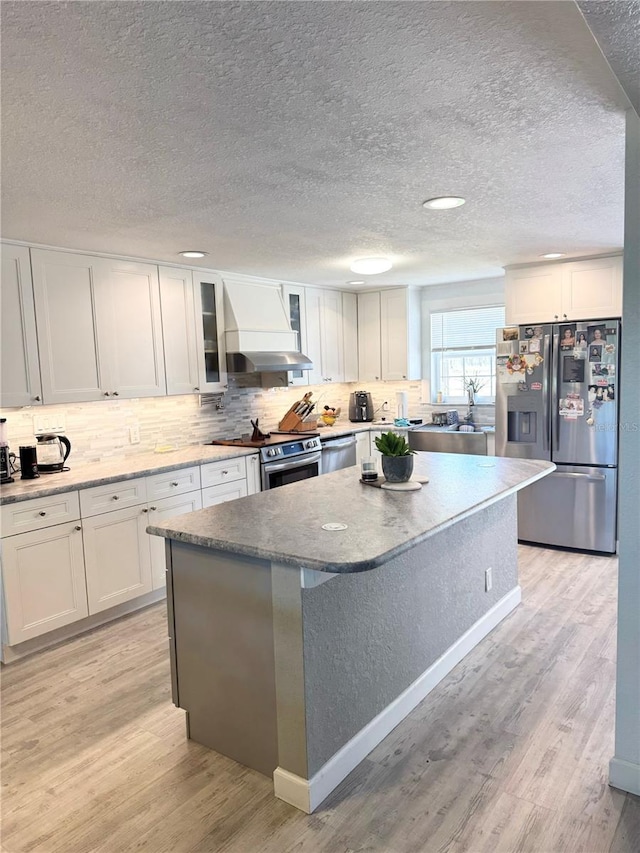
625, 766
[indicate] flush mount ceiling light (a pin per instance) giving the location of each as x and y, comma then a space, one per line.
550, 256
192, 253
355, 282
444, 202
371, 266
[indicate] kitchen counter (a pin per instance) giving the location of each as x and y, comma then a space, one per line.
381, 525
109, 471
295, 650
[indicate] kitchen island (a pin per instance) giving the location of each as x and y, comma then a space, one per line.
306, 622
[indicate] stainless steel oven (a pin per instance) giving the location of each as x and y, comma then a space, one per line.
285, 470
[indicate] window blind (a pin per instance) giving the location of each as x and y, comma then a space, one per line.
468, 328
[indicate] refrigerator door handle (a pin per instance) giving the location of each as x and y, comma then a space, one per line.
555, 432
596, 478
546, 433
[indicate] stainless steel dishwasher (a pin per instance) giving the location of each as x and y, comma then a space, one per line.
338, 452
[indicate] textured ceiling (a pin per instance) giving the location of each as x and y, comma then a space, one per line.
287, 139
616, 26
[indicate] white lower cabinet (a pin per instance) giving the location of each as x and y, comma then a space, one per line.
44, 581
117, 557
75, 554
363, 447
226, 492
159, 511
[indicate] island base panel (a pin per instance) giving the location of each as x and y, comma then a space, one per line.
223, 648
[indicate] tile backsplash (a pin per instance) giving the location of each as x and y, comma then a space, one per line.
101, 430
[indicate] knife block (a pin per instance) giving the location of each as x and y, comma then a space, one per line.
293, 423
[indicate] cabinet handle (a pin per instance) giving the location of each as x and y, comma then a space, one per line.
37, 398
174, 484
565, 316
555, 316
196, 389
153, 508
43, 513
224, 473
77, 527
377, 377
145, 509
116, 394
106, 394
403, 376
115, 498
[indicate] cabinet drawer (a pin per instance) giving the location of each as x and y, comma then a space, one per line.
171, 483
216, 473
118, 495
39, 513
227, 492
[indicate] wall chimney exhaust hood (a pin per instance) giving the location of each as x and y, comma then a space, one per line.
258, 335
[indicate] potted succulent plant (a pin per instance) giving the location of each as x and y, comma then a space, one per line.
397, 457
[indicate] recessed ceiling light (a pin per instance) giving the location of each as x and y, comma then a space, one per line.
192, 253
550, 256
355, 282
444, 202
371, 266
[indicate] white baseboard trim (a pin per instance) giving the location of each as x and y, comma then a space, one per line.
308, 794
624, 775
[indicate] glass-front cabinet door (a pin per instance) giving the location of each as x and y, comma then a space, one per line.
212, 359
294, 300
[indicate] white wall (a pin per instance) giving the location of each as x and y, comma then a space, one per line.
624, 770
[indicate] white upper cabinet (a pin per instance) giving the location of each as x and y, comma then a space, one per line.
99, 330
369, 332
295, 304
325, 342
592, 289
350, 336
400, 334
212, 358
20, 379
179, 330
64, 288
130, 330
572, 290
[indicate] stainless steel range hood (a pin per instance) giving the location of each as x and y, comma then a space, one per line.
258, 335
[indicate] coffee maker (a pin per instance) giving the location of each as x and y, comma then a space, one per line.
5, 463
360, 407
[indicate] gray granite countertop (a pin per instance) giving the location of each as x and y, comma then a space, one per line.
100, 473
285, 525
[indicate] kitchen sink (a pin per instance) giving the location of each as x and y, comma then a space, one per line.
448, 440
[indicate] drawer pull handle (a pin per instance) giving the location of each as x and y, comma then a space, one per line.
224, 473
106, 394
115, 498
153, 508
43, 513
77, 527
116, 394
37, 398
145, 509
196, 388
174, 484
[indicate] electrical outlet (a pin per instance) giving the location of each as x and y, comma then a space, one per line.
134, 434
488, 579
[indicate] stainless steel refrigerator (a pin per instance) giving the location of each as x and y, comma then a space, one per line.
556, 399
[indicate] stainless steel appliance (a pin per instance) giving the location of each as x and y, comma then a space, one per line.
52, 452
360, 407
5, 462
284, 457
28, 462
443, 440
557, 399
338, 452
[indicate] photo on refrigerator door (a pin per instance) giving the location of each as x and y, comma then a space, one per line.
596, 334
568, 336
595, 352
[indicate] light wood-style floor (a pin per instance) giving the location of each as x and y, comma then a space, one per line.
508, 754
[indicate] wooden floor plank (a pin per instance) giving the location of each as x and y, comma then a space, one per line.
509, 753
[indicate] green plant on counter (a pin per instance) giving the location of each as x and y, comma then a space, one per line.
392, 444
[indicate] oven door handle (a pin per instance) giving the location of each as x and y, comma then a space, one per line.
288, 465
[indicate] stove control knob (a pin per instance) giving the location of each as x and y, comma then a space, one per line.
272, 452
309, 445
